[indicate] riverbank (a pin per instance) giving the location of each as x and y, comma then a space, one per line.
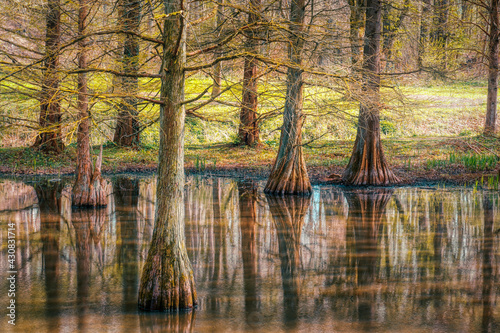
451, 160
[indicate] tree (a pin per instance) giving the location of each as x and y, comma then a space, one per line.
356, 25
127, 125
49, 138
249, 128
367, 165
289, 172
390, 28
493, 48
89, 188
217, 74
167, 282
424, 30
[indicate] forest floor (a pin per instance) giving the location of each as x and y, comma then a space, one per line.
449, 160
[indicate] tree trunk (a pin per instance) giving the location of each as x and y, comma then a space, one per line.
288, 214
367, 165
127, 126
356, 25
289, 172
167, 282
424, 30
441, 30
90, 188
491, 101
217, 73
390, 28
49, 139
249, 129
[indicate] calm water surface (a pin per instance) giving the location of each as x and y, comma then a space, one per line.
391, 260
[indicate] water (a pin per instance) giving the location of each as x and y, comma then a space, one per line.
401, 260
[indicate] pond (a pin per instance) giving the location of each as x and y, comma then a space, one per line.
388, 260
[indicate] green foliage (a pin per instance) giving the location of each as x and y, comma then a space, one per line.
471, 162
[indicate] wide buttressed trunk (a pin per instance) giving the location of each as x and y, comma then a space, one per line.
493, 47
90, 189
248, 132
49, 138
127, 131
167, 282
367, 165
289, 172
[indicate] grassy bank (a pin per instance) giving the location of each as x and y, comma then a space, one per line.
458, 159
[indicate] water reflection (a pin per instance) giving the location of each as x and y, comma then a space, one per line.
288, 215
404, 259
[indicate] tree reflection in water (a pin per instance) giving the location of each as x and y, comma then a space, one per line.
288, 213
364, 224
248, 203
49, 205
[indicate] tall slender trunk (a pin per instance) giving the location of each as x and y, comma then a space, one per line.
89, 188
49, 138
491, 100
167, 282
249, 129
424, 31
217, 71
289, 172
367, 165
127, 125
356, 25
390, 28
441, 30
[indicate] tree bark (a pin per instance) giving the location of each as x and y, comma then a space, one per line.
217, 72
424, 30
249, 128
49, 138
289, 172
440, 34
89, 188
490, 126
367, 165
356, 25
167, 282
390, 28
127, 125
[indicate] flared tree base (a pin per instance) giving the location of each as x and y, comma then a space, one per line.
47, 143
167, 282
289, 177
93, 194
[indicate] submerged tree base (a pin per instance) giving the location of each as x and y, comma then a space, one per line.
93, 193
169, 282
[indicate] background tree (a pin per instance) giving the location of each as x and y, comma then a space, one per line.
49, 138
367, 165
356, 26
493, 48
289, 172
90, 189
249, 129
217, 70
167, 282
127, 131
